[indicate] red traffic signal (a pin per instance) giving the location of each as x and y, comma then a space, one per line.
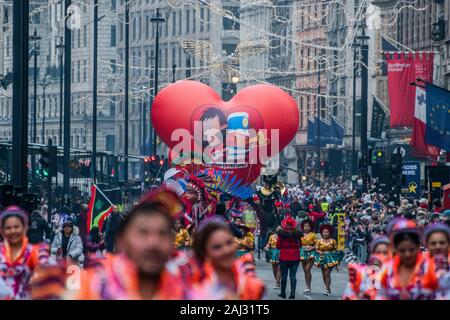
161, 162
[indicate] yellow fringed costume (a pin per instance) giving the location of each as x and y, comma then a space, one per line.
245, 244
310, 240
182, 239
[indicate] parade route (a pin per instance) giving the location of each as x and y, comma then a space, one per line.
338, 284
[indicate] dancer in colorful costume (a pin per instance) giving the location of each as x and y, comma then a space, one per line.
362, 283
246, 244
224, 277
437, 240
410, 275
274, 257
308, 251
182, 237
326, 255
139, 271
18, 258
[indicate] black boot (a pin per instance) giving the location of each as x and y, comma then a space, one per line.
293, 287
282, 294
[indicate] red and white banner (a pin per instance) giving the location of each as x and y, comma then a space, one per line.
404, 68
421, 149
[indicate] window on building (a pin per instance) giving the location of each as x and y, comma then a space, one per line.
85, 36
188, 21
133, 135
113, 36
84, 71
73, 71
113, 66
112, 108
134, 28
166, 58
166, 27
232, 22
79, 38
147, 27
7, 46
180, 22
140, 28
138, 62
229, 48
208, 20
147, 60
173, 55
113, 4
202, 19
120, 31
174, 23
110, 143
78, 71
193, 21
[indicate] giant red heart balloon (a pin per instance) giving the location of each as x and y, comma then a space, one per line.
181, 104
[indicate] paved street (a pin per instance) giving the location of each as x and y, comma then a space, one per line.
338, 283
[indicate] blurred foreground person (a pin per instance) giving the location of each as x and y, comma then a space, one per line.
410, 275
94, 245
111, 228
362, 283
138, 271
224, 277
18, 258
437, 239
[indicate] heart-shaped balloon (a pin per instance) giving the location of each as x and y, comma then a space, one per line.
263, 116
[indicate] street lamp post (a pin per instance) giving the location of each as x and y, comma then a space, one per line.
67, 100
35, 38
355, 71
127, 75
44, 85
157, 19
20, 93
144, 127
60, 47
364, 105
319, 65
94, 95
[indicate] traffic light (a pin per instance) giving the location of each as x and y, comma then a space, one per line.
396, 173
147, 170
48, 160
322, 165
378, 156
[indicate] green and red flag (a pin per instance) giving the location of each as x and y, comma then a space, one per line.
100, 207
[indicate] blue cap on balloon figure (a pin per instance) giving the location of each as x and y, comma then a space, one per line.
238, 125
238, 122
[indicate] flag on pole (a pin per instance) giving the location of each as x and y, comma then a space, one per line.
404, 68
421, 148
438, 117
99, 208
